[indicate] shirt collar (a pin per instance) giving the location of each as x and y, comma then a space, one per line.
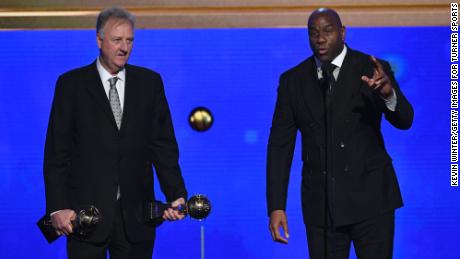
105, 75
338, 61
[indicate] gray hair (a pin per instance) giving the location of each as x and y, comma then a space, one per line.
112, 12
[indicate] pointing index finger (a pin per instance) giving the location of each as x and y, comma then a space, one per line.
377, 64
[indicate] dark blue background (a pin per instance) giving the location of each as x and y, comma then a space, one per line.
234, 73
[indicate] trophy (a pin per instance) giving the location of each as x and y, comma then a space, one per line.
197, 207
83, 224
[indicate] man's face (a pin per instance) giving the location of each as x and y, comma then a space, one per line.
116, 44
326, 37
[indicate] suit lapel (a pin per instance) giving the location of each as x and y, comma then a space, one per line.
310, 89
95, 87
130, 96
348, 83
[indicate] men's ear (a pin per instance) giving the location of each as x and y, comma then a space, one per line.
342, 33
98, 40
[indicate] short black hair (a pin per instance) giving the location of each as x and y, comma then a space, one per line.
325, 11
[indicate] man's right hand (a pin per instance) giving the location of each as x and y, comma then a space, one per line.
278, 218
61, 221
172, 214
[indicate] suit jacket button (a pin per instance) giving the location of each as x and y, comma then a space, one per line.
324, 172
342, 145
345, 169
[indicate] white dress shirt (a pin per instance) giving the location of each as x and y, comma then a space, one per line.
120, 85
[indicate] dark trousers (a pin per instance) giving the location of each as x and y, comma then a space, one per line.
372, 239
117, 245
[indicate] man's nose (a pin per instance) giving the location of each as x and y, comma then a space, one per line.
124, 45
321, 38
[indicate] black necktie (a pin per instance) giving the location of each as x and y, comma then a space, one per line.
328, 81
328, 75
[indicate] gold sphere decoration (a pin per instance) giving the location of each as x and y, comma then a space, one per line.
200, 119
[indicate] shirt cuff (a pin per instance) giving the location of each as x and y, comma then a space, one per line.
52, 213
391, 101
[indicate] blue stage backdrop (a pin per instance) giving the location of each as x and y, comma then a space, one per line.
234, 73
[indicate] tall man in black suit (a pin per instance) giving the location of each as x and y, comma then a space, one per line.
109, 123
336, 98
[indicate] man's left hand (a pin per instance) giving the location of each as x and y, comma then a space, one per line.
380, 81
172, 214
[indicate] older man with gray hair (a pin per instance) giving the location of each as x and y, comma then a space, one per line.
109, 123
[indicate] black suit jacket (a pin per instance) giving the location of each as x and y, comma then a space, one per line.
87, 157
361, 179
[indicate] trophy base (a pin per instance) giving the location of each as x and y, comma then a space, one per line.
44, 224
153, 212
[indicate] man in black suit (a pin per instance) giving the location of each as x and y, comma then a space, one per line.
109, 123
336, 98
